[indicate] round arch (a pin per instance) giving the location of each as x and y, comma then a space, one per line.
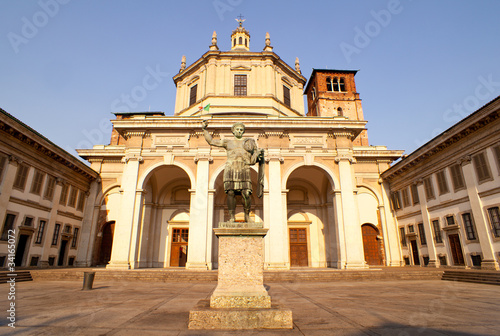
371, 191
329, 173
144, 177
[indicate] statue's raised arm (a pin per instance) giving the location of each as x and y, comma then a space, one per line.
208, 137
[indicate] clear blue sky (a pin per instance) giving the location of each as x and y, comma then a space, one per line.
65, 65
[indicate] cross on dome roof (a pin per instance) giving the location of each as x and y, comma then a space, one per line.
240, 20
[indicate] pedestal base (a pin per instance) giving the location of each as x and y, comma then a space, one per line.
204, 317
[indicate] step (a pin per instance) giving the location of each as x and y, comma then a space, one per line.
483, 277
19, 276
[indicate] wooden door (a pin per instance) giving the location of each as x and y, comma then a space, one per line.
456, 249
414, 251
371, 245
178, 251
298, 248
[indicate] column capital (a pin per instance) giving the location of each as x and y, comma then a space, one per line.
464, 160
14, 160
419, 181
203, 157
132, 157
274, 156
345, 157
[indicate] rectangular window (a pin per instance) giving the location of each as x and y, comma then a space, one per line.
41, 229
34, 261
414, 194
3, 164
36, 185
437, 232
240, 85
81, 201
494, 221
481, 167
49, 188
286, 96
469, 226
55, 237
496, 151
450, 220
28, 221
72, 197
8, 225
64, 194
192, 94
421, 233
411, 229
442, 184
75, 237
402, 236
457, 177
429, 190
396, 200
21, 175
406, 197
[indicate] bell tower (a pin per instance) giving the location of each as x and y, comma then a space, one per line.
240, 38
332, 93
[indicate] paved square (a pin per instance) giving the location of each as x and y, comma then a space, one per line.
336, 308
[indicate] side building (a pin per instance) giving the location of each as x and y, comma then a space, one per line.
162, 189
45, 194
446, 195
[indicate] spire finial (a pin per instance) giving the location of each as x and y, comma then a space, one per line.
240, 20
297, 65
268, 46
214, 42
183, 63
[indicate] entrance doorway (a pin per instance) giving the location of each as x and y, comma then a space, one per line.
371, 244
62, 252
21, 249
106, 243
298, 248
414, 251
456, 249
178, 253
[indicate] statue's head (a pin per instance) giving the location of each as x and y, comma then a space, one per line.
238, 129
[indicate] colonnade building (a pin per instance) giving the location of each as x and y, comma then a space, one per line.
161, 185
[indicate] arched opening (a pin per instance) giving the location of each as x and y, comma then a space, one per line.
106, 243
240, 41
165, 212
329, 84
311, 225
371, 244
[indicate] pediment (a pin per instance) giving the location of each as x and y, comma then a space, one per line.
240, 68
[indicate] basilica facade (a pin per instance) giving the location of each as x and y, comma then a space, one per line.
161, 188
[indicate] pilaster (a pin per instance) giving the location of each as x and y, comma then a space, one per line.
489, 261
89, 225
122, 239
198, 221
429, 234
8, 182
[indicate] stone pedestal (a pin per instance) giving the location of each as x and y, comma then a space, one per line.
240, 300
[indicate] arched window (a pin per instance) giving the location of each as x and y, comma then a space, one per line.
329, 84
246, 44
313, 93
335, 84
234, 42
342, 85
240, 40
340, 112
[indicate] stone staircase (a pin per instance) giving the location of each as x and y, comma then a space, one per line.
294, 275
19, 276
484, 277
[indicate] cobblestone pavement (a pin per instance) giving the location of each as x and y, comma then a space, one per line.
337, 308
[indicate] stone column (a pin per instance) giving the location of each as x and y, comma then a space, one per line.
8, 182
276, 207
355, 257
89, 225
429, 233
198, 214
137, 229
390, 229
339, 215
120, 253
480, 221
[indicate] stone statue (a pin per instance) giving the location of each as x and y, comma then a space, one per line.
241, 154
